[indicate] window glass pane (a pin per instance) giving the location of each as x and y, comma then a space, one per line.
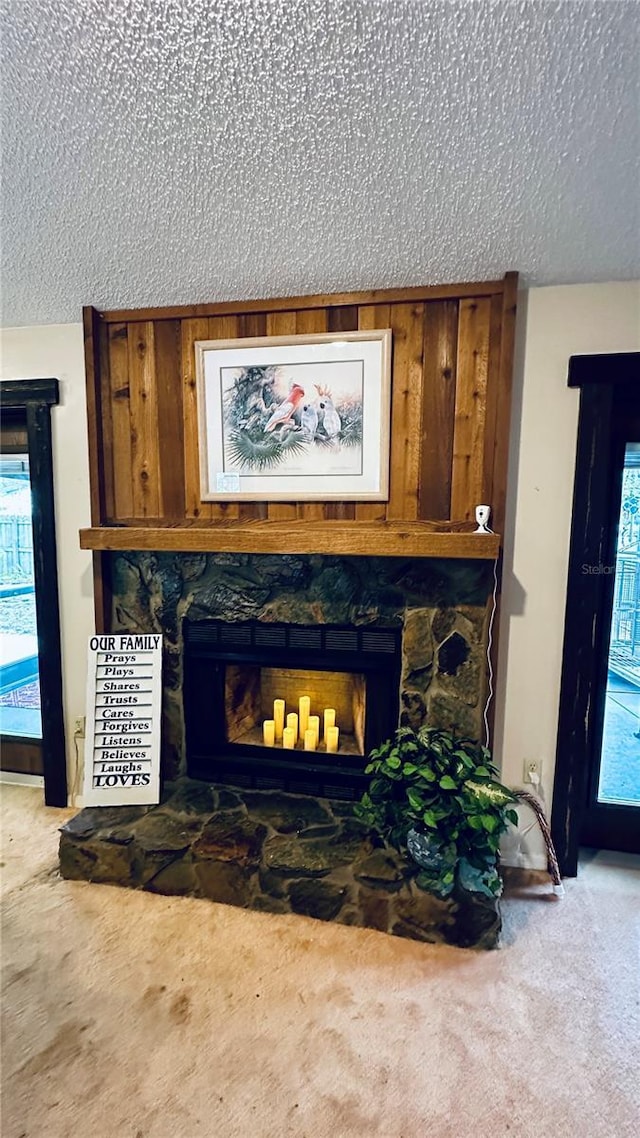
19, 686
620, 759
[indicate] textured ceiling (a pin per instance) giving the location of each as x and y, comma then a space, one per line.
175, 151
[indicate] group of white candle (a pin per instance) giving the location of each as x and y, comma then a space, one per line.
302, 726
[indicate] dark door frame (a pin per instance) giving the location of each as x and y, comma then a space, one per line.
605, 381
36, 397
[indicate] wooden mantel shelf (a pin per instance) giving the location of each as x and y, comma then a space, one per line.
342, 538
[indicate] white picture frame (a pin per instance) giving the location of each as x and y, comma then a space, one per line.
295, 418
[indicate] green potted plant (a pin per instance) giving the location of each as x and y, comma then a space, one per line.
435, 797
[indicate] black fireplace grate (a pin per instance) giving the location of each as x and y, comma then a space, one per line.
293, 637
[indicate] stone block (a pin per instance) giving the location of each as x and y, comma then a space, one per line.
413, 709
160, 832
288, 856
383, 868
320, 899
106, 821
224, 882
267, 904
113, 863
417, 644
238, 841
188, 796
374, 908
176, 878
287, 813
449, 713
477, 921
442, 624
421, 916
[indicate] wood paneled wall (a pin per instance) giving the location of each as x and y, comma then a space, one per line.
451, 378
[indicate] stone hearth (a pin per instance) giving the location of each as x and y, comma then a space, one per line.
273, 852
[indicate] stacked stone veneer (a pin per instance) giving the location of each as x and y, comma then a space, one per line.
442, 607
272, 852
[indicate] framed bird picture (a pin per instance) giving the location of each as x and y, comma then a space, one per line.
295, 418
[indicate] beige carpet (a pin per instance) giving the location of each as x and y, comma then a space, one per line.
128, 1015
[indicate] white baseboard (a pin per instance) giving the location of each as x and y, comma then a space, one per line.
524, 861
14, 779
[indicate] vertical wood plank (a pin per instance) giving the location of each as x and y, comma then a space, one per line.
190, 331
253, 324
491, 416
343, 318
143, 400
95, 413
120, 415
503, 417
470, 410
438, 405
108, 465
407, 323
170, 417
281, 324
371, 317
308, 321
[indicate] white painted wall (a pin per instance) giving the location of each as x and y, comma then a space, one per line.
57, 350
553, 324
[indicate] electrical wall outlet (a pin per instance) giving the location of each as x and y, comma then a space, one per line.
532, 771
78, 726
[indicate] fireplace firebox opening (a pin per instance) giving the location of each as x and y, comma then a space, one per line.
234, 673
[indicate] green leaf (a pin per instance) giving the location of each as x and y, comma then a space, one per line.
512, 815
409, 768
482, 772
430, 819
394, 761
489, 822
378, 787
447, 783
427, 774
475, 822
489, 793
465, 759
415, 798
394, 775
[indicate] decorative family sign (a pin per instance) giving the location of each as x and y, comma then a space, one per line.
122, 750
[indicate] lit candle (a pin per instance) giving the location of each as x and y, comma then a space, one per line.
314, 725
310, 739
333, 735
304, 707
329, 720
288, 738
269, 732
278, 718
292, 723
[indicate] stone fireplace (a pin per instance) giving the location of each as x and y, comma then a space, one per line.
412, 632
260, 828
